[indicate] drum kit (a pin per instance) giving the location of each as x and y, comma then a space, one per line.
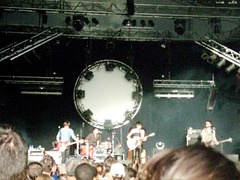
98, 153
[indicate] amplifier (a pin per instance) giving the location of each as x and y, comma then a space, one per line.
57, 156
35, 155
193, 136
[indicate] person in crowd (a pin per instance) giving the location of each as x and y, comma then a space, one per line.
208, 135
85, 172
108, 162
64, 138
55, 172
43, 177
13, 154
70, 167
99, 171
34, 169
62, 177
134, 141
132, 173
117, 171
190, 162
47, 164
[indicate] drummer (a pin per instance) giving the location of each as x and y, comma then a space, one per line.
93, 139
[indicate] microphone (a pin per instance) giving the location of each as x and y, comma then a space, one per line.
214, 128
59, 127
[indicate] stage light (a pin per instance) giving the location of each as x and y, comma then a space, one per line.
89, 75
211, 99
109, 67
78, 22
95, 22
143, 23
180, 26
230, 68
205, 56
80, 94
87, 114
136, 95
174, 93
126, 22
134, 22
86, 20
68, 20
108, 124
221, 63
129, 76
151, 23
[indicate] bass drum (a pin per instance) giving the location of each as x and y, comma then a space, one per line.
108, 94
99, 155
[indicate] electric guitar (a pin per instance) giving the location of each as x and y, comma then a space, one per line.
133, 143
223, 141
62, 146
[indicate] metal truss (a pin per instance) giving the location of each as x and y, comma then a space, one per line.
124, 34
183, 84
35, 84
110, 8
32, 80
14, 51
220, 50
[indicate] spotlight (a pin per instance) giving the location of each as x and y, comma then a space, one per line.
230, 68
142, 22
89, 75
221, 63
80, 94
95, 22
134, 22
160, 145
126, 22
163, 45
68, 20
78, 22
129, 76
151, 23
87, 115
109, 67
205, 56
136, 95
86, 20
180, 26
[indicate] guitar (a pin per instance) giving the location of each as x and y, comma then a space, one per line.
223, 141
133, 143
62, 146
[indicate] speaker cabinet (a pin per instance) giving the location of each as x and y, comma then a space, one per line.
143, 156
56, 156
232, 157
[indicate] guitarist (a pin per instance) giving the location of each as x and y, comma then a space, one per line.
137, 134
63, 138
209, 135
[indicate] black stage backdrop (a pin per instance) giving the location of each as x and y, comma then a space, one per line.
38, 116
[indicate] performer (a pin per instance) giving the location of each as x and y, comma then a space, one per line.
93, 139
209, 135
63, 138
135, 137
